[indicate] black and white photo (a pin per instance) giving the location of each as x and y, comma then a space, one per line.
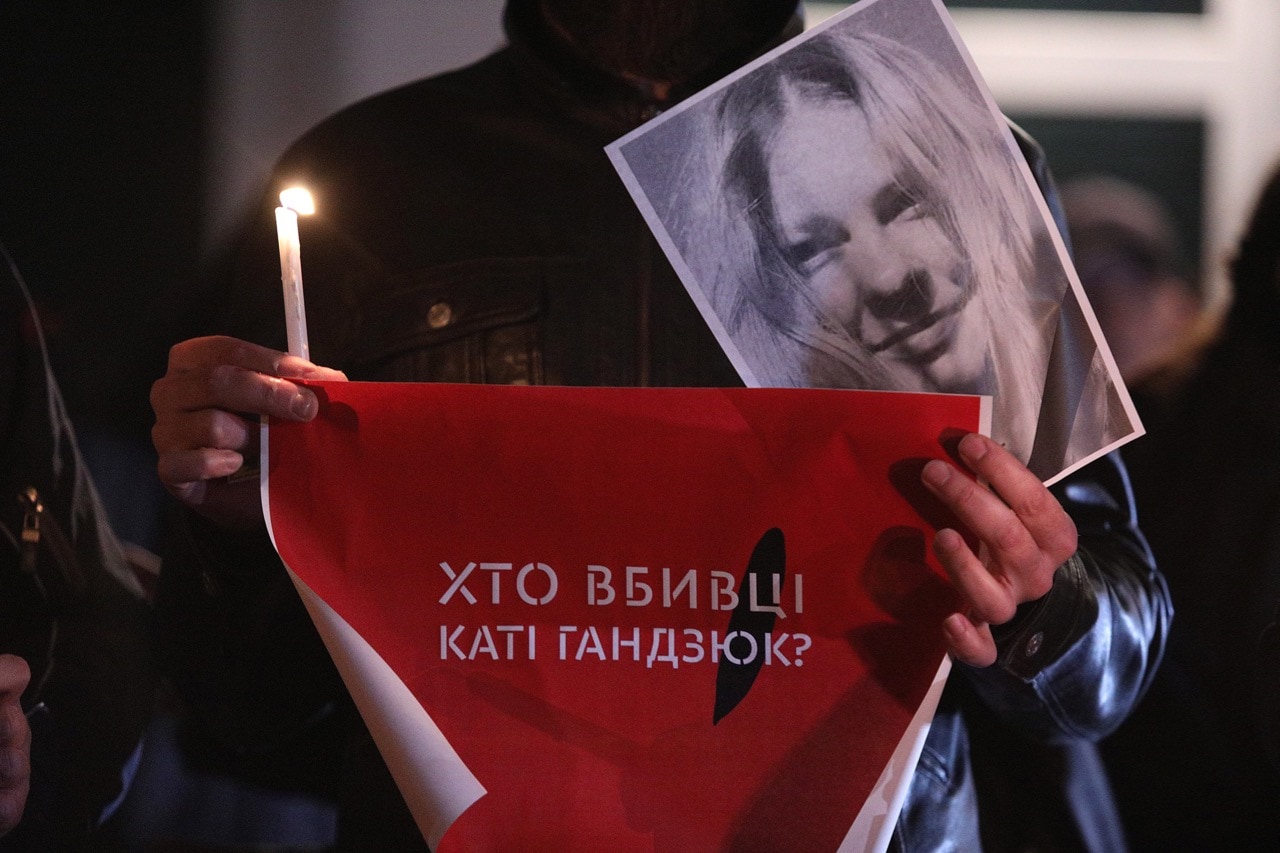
853, 211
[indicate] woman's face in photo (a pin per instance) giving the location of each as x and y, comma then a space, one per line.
872, 251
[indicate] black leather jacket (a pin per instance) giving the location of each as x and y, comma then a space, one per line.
473, 230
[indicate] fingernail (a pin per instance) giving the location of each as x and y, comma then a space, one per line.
935, 473
288, 365
973, 447
947, 539
304, 406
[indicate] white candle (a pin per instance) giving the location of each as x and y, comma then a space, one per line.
293, 201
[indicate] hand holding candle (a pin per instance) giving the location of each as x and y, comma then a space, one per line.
293, 201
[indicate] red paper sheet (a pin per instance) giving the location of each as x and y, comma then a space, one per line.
552, 573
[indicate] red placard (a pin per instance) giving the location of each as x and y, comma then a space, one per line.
645, 619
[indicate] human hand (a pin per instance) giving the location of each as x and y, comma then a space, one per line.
1024, 535
207, 407
15, 742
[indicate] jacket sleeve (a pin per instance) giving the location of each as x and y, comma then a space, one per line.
235, 642
1074, 663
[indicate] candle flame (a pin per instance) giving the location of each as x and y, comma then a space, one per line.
298, 199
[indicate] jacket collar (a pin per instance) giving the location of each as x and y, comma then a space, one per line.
596, 95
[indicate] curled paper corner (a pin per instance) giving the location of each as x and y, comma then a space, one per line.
436, 784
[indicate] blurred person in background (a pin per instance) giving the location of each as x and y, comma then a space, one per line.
1195, 767
1142, 288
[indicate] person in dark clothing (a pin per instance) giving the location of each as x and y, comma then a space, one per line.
1191, 768
72, 606
471, 229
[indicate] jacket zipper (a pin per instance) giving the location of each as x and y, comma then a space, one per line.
29, 544
39, 529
